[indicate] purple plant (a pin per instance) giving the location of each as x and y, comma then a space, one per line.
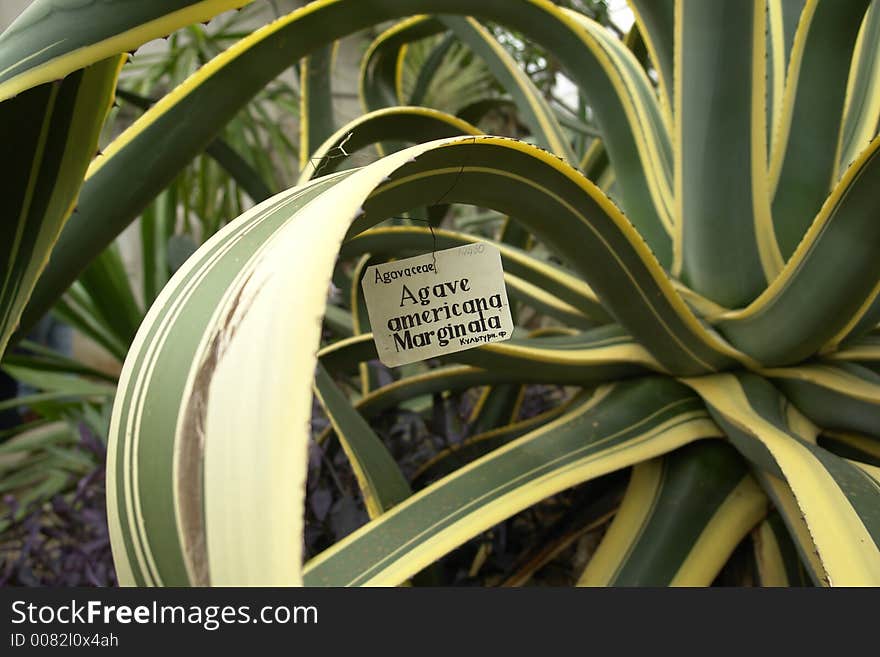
63, 541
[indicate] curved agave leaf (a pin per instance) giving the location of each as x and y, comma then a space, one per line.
403, 124
545, 303
776, 559
377, 87
862, 321
825, 283
360, 321
497, 406
782, 21
379, 478
861, 112
52, 133
471, 448
595, 161
442, 379
804, 164
616, 427
728, 248
655, 20
842, 396
603, 354
865, 350
491, 421
838, 500
599, 355
53, 38
399, 71
853, 446
680, 520
785, 504
631, 97
163, 466
222, 153
345, 355
316, 122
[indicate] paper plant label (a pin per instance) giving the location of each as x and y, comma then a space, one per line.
437, 304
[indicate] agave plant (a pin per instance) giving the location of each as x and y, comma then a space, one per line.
719, 269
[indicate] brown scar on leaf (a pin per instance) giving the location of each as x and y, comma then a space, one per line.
190, 448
